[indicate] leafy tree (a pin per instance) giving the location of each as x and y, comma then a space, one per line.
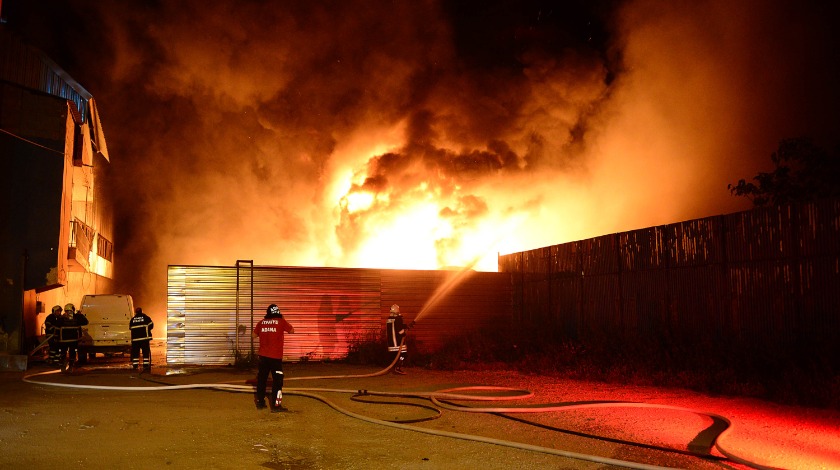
804, 172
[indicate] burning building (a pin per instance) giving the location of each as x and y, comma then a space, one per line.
428, 135
57, 242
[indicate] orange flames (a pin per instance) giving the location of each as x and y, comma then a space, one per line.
388, 137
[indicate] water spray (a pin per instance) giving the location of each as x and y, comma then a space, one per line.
450, 283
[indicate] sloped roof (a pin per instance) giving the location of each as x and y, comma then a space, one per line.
27, 66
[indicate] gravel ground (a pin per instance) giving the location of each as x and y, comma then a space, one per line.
45, 426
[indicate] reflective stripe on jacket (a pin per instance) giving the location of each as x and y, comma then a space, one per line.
69, 334
70, 330
141, 326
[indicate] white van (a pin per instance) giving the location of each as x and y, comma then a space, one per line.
107, 330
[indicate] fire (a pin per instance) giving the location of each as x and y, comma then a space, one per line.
355, 202
404, 240
386, 137
427, 222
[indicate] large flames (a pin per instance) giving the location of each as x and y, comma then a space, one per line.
420, 204
414, 135
421, 228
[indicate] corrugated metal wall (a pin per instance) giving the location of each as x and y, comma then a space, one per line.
29, 67
212, 309
770, 274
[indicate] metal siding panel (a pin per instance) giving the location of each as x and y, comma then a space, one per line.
764, 300
769, 274
820, 280
447, 303
759, 234
566, 292
644, 305
642, 249
599, 255
536, 297
28, 67
697, 298
566, 259
600, 305
329, 308
819, 228
694, 242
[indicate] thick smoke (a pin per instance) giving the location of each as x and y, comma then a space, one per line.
259, 123
425, 134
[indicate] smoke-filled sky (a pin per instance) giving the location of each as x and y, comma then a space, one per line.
426, 134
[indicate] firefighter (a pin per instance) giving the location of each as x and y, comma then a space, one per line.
51, 330
395, 330
69, 333
271, 333
141, 326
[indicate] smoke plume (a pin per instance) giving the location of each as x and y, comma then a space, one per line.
427, 134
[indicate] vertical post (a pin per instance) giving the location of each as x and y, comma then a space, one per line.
239, 264
551, 315
22, 337
236, 318
251, 299
623, 324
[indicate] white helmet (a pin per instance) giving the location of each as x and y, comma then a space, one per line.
395, 308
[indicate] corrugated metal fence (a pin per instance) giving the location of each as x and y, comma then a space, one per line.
212, 309
765, 275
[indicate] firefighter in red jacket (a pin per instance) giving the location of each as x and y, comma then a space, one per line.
271, 332
141, 326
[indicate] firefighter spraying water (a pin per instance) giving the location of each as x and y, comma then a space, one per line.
395, 331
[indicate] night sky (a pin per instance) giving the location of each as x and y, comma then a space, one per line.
317, 133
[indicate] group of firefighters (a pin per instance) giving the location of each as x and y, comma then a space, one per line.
63, 328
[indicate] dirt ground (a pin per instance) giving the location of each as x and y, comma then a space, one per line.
50, 426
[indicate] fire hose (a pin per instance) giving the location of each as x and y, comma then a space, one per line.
443, 399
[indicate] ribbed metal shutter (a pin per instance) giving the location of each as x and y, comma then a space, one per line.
212, 309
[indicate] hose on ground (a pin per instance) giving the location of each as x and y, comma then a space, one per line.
443, 399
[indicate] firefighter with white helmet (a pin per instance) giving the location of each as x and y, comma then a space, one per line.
395, 330
271, 332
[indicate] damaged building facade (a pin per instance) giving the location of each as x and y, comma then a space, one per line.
57, 237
